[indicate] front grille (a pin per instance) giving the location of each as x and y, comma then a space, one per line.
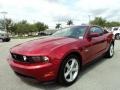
21, 58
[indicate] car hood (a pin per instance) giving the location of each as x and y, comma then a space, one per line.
41, 46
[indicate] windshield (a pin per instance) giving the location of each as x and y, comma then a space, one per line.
73, 32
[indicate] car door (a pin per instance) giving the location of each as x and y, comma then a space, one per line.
98, 43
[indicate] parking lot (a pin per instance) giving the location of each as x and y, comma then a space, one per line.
104, 74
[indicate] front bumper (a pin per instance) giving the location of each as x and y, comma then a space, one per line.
41, 72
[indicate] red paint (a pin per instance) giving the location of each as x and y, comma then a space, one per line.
56, 49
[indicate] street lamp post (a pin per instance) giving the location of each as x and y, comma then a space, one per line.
4, 13
89, 19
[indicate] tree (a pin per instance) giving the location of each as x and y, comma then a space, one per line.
99, 21
58, 26
1, 24
69, 22
41, 26
104, 23
22, 28
23, 22
9, 23
114, 24
12, 28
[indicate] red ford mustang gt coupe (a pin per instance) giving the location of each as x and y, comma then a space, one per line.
61, 56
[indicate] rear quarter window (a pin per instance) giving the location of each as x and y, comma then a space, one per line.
115, 29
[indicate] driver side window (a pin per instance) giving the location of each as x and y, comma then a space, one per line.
96, 30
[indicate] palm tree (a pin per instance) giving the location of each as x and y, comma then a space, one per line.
58, 26
69, 22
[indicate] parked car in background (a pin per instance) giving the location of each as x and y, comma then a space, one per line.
4, 36
42, 34
61, 56
116, 32
46, 32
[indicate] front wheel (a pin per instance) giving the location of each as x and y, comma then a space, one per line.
110, 51
69, 70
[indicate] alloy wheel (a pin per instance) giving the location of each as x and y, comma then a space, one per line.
71, 70
111, 50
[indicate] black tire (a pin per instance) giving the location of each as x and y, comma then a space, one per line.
108, 53
6, 40
61, 74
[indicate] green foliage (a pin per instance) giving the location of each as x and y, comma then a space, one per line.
99, 21
104, 23
23, 27
114, 24
58, 26
69, 22
1, 24
41, 26
9, 24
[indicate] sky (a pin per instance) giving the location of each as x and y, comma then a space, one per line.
59, 11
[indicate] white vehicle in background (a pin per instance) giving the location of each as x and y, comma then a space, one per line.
4, 36
116, 32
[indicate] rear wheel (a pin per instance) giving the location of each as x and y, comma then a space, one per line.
69, 70
6, 40
110, 52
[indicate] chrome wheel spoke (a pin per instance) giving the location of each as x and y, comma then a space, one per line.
67, 73
71, 76
111, 50
73, 63
68, 66
75, 69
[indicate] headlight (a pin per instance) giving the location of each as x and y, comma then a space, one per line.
40, 59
